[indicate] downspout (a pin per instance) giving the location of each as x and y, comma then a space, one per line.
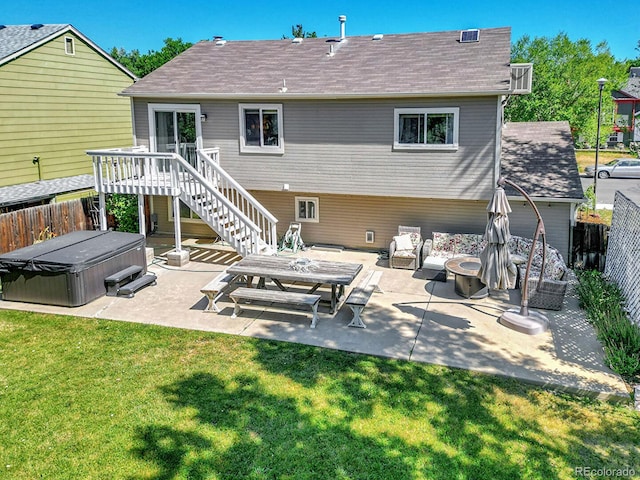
572, 224
133, 122
498, 151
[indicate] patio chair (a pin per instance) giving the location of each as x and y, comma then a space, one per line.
406, 248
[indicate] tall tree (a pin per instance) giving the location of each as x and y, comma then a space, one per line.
564, 83
297, 31
143, 64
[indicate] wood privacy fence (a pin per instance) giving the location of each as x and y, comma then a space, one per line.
589, 246
623, 253
24, 227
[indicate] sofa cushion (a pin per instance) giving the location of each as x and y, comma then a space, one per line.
434, 263
555, 267
404, 254
513, 245
444, 245
468, 244
416, 239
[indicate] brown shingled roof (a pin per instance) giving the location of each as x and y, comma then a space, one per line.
540, 158
407, 64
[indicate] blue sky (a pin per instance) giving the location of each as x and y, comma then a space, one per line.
144, 25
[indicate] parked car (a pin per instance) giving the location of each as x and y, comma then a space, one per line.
620, 167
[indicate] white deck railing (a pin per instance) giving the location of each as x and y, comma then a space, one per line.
134, 171
209, 165
206, 188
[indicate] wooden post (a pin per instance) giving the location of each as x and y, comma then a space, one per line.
102, 204
141, 217
176, 223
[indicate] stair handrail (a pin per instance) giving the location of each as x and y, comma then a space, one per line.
198, 176
228, 178
130, 162
126, 152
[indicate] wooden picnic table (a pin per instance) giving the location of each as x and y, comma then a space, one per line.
298, 270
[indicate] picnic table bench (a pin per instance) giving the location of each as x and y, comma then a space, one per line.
359, 297
275, 296
299, 271
215, 289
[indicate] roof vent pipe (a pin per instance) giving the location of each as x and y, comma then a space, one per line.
343, 23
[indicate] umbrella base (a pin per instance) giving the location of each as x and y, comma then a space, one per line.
531, 324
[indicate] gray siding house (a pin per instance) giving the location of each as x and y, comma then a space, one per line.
360, 134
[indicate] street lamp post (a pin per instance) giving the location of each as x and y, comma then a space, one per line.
601, 82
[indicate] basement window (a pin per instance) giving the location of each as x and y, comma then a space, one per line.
69, 46
186, 214
307, 209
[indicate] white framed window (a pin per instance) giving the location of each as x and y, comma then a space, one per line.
69, 46
307, 209
426, 128
261, 128
616, 137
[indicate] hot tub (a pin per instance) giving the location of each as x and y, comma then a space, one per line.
69, 270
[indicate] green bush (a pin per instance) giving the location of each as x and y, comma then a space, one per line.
125, 210
604, 304
590, 204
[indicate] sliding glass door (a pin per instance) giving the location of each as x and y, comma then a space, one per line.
175, 129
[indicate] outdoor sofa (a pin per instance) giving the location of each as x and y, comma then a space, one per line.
437, 250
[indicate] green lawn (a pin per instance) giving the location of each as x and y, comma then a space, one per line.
85, 399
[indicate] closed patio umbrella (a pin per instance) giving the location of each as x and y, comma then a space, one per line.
496, 269
521, 320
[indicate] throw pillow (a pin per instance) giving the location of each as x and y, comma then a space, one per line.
403, 242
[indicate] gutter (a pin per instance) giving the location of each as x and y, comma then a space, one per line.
518, 198
310, 96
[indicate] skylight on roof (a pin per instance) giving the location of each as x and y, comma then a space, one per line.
468, 36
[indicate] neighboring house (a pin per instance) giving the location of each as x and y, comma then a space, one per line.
354, 136
58, 97
626, 126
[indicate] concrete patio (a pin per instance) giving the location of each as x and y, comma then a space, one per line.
414, 319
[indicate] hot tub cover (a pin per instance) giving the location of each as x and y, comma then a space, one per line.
73, 252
